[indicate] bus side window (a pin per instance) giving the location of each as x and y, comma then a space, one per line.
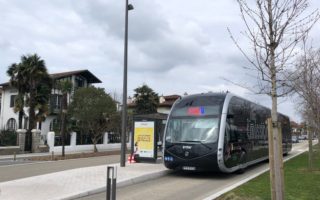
231, 117
227, 134
233, 135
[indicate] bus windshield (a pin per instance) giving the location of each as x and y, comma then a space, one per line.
192, 129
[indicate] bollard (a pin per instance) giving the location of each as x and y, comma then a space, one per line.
52, 155
111, 182
14, 156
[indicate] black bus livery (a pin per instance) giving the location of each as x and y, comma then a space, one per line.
218, 132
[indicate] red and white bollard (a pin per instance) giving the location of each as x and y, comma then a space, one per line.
131, 158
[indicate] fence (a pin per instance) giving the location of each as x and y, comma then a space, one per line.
74, 147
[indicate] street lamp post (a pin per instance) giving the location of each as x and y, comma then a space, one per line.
124, 98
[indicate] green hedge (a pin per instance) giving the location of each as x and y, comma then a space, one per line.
8, 138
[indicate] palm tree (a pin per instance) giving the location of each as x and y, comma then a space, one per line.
39, 86
19, 107
32, 80
42, 99
147, 100
65, 87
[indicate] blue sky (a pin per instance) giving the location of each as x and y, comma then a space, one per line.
175, 46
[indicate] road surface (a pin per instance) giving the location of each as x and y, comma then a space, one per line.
187, 185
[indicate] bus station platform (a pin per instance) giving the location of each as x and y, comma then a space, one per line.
80, 182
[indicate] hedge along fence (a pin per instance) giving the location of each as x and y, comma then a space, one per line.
8, 138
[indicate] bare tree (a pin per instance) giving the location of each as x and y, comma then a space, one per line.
306, 83
115, 96
274, 29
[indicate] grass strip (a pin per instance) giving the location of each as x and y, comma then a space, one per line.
300, 183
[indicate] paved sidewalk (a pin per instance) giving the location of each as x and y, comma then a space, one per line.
29, 155
75, 183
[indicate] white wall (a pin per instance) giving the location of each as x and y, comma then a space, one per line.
6, 111
82, 148
163, 110
45, 127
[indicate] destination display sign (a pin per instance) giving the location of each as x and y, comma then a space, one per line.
196, 111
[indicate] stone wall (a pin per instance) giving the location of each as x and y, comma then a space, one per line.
9, 150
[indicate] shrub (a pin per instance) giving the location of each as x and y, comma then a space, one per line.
8, 138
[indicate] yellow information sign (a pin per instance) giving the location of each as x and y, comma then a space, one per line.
144, 139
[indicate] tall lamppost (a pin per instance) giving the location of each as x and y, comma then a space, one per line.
124, 98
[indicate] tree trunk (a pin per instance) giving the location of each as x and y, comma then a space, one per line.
63, 133
310, 160
32, 121
318, 132
63, 122
278, 187
95, 149
32, 114
20, 119
318, 135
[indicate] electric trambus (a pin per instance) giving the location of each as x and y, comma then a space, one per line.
218, 132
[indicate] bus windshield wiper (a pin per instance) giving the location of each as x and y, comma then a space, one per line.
204, 144
193, 141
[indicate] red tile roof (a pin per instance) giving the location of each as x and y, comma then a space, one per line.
171, 97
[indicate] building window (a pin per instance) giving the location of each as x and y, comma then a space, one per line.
12, 100
54, 125
55, 101
79, 82
26, 121
11, 124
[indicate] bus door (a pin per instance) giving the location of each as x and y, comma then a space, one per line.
234, 146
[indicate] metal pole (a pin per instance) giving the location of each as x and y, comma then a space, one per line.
114, 183
108, 192
124, 98
111, 183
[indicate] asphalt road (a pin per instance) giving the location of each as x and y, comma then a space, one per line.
11, 172
186, 185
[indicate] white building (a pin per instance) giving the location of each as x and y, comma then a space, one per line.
166, 102
9, 119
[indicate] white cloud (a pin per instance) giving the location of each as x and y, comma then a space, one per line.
174, 46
